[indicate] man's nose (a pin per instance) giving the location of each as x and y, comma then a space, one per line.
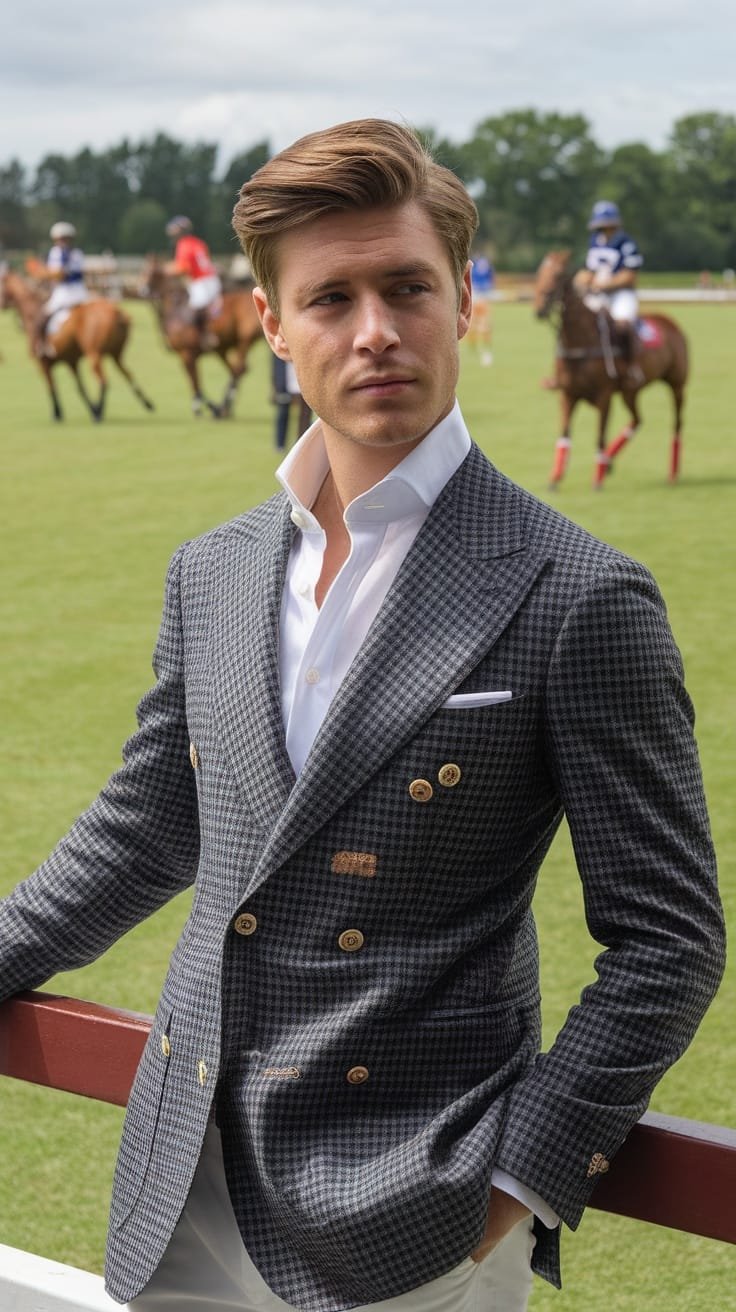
375, 328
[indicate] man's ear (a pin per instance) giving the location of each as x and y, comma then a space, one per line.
465, 307
271, 325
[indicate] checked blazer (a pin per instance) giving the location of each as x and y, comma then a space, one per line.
355, 993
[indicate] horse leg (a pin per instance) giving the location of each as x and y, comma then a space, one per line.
562, 449
56, 409
199, 400
97, 409
627, 433
678, 393
74, 366
130, 380
603, 461
236, 369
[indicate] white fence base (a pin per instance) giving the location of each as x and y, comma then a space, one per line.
36, 1284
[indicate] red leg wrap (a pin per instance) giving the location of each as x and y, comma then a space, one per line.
602, 466
615, 446
675, 457
562, 455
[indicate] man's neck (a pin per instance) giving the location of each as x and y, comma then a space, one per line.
355, 468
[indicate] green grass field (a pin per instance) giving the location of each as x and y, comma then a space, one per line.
90, 515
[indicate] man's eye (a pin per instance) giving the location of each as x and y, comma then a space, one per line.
330, 298
411, 288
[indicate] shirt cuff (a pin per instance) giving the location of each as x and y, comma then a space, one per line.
501, 1180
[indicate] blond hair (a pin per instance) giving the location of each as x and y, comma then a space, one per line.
364, 164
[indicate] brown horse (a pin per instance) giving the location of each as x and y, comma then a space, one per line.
591, 365
93, 330
233, 331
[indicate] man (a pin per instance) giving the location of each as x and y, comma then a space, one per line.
64, 267
192, 260
286, 395
609, 279
377, 693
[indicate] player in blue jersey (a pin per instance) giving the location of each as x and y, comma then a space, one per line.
609, 278
65, 267
482, 279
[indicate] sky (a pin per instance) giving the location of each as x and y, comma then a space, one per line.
235, 72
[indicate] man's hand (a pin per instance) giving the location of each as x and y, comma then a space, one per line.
582, 280
504, 1212
602, 282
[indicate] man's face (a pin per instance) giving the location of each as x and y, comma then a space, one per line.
369, 315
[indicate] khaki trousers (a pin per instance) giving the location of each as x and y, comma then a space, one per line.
206, 1267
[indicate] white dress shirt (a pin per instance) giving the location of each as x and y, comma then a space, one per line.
318, 644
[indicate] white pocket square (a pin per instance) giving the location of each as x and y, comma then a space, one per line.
462, 701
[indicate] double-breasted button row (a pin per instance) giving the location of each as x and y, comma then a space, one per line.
448, 776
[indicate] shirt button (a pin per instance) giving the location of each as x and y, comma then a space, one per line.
421, 790
312, 675
351, 940
357, 1075
304, 589
300, 518
449, 775
245, 924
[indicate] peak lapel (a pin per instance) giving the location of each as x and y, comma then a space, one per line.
246, 696
460, 585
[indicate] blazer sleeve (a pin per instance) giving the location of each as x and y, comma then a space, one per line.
132, 850
620, 740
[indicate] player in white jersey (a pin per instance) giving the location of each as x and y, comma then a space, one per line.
65, 267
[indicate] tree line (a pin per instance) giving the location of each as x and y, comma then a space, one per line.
533, 175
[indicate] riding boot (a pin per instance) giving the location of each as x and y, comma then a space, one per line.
208, 341
630, 349
42, 349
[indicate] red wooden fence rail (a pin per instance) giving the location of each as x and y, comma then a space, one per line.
673, 1172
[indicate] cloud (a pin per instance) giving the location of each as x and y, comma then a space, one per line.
236, 72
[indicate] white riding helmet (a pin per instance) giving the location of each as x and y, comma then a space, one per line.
60, 230
177, 226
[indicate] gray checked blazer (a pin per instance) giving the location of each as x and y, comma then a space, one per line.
355, 992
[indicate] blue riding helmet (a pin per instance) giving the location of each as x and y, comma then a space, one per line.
604, 214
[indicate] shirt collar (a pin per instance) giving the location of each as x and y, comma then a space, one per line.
411, 488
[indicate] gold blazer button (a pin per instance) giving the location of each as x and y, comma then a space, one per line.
202, 1072
357, 1075
245, 924
421, 790
193, 756
165, 1045
449, 775
351, 940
